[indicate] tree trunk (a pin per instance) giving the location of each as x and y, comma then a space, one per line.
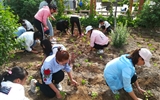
141, 2
92, 7
115, 13
130, 6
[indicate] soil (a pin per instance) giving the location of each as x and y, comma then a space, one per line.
88, 67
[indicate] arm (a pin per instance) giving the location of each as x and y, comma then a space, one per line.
52, 18
52, 86
139, 89
39, 65
71, 79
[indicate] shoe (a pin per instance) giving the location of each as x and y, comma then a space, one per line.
33, 86
100, 52
115, 91
59, 86
53, 40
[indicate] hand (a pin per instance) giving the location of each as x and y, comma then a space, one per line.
74, 82
46, 27
141, 90
139, 99
39, 65
58, 95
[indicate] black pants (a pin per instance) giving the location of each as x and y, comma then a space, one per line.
75, 20
108, 30
39, 27
46, 90
97, 46
134, 78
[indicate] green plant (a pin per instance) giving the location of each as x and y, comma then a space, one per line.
63, 94
7, 39
117, 96
60, 6
101, 57
24, 8
148, 94
86, 60
119, 36
83, 82
149, 14
94, 95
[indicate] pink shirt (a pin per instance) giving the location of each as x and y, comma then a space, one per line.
98, 37
43, 14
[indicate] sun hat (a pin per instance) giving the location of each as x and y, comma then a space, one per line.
146, 55
88, 28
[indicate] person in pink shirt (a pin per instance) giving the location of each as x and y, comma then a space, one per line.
40, 18
98, 40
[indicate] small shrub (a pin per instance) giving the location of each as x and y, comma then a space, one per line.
119, 36
7, 39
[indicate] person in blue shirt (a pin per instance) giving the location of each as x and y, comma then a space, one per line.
120, 72
52, 74
21, 30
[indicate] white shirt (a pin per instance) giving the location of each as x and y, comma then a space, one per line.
16, 91
55, 48
27, 40
28, 24
106, 24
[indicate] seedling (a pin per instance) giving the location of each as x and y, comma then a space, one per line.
86, 60
58, 38
30, 77
78, 65
63, 94
79, 52
148, 94
83, 39
94, 95
29, 66
83, 82
121, 52
149, 44
101, 57
155, 64
88, 42
117, 96
71, 40
89, 64
18, 57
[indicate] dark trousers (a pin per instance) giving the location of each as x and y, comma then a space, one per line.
97, 46
39, 27
134, 78
108, 30
46, 90
75, 20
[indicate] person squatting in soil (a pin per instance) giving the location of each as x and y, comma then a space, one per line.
105, 26
98, 40
11, 84
120, 72
28, 40
74, 19
52, 74
49, 49
41, 17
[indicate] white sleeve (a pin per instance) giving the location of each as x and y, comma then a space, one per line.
28, 45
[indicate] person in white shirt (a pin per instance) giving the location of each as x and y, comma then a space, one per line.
11, 84
52, 73
28, 40
29, 26
105, 26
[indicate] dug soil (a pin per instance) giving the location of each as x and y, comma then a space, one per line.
88, 67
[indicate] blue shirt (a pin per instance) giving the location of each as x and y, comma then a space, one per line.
118, 73
20, 31
51, 66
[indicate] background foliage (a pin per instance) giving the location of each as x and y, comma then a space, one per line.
150, 15
25, 9
7, 39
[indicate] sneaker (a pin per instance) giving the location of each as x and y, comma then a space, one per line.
59, 86
115, 91
53, 40
33, 86
100, 51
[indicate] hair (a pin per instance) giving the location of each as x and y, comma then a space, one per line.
91, 32
62, 55
16, 72
134, 56
100, 21
52, 6
48, 47
37, 35
48, 1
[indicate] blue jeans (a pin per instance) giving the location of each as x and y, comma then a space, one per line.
51, 32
